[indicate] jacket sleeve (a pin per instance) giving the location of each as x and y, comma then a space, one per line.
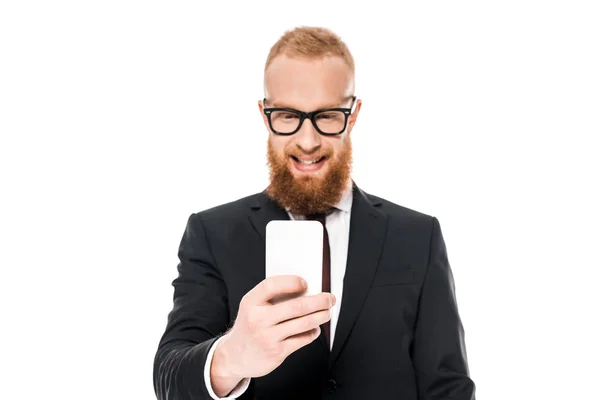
439, 352
198, 318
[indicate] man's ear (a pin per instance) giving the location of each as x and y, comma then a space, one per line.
264, 117
353, 117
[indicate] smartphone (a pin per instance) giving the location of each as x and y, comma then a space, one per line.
295, 247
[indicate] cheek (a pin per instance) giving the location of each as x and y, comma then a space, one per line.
279, 145
335, 146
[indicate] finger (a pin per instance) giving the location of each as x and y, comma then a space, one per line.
273, 286
300, 306
296, 342
296, 326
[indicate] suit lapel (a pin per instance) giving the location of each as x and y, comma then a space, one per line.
367, 233
263, 210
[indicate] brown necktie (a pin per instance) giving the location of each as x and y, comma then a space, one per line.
326, 277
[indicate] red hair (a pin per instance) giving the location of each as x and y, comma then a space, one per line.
312, 43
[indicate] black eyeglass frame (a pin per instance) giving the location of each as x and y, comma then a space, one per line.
308, 115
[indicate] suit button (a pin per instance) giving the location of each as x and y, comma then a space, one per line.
331, 385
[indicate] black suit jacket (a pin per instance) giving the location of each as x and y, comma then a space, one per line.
399, 334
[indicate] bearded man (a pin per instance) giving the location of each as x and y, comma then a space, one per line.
386, 324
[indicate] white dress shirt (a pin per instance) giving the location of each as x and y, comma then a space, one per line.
338, 229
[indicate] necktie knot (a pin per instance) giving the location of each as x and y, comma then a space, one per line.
317, 217
320, 216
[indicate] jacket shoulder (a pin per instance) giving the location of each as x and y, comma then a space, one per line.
405, 221
399, 212
234, 208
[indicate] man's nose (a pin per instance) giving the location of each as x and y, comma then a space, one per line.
307, 138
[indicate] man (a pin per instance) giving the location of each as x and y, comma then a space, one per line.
385, 326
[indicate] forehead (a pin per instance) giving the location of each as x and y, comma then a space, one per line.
308, 83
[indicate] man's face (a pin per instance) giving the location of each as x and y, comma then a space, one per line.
309, 171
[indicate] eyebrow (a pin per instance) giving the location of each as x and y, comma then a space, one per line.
277, 104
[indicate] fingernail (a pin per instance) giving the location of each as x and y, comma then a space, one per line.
304, 284
331, 300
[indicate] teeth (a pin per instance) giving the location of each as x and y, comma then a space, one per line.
304, 162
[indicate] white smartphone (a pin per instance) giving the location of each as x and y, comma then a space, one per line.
295, 247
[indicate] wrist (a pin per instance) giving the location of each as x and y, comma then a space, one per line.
222, 367
222, 378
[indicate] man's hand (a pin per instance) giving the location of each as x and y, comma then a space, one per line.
264, 335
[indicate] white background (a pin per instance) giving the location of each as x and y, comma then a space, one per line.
118, 119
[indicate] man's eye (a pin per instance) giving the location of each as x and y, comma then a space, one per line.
285, 116
326, 116
331, 116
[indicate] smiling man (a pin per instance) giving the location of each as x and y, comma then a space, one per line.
386, 324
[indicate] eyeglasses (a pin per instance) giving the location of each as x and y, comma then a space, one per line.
327, 121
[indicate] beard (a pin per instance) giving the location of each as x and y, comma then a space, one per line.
308, 194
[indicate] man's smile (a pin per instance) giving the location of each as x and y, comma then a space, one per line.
308, 164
